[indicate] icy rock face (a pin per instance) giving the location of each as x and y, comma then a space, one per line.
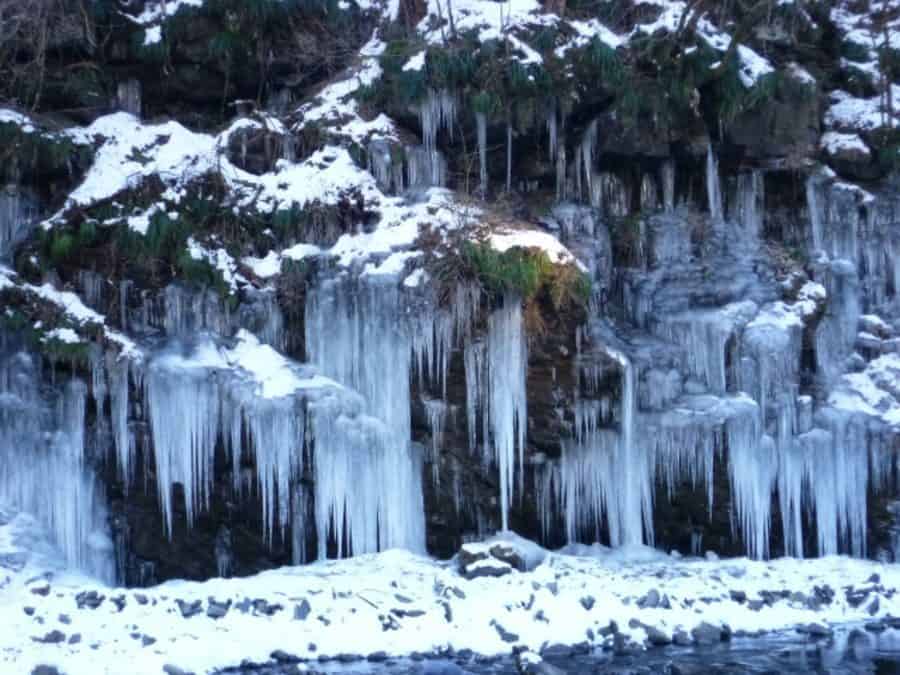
734, 363
720, 375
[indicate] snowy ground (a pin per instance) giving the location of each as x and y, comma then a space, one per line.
395, 603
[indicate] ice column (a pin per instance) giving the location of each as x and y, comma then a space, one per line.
506, 403
359, 335
713, 186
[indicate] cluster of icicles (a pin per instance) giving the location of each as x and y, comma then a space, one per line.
345, 423
816, 462
351, 434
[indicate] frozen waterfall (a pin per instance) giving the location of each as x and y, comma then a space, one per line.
358, 335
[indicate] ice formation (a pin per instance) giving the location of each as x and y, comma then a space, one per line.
45, 465
713, 186
358, 337
711, 370
18, 213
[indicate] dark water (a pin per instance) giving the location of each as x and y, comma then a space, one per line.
850, 652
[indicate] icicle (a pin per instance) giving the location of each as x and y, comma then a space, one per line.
705, 335
751, 204
603, 472
368, 490
188, 310
425, 169
611, 194
18, 213
289, 148
668, 182
713, 186
118, 368
649, 197
301, 516
509, 154
195, 398
381, 165
124, 286
561, 193
507, 363
481, 132
92, 285
552, 130
474, 361
770, 348
588, 149
223, 552
635, 497
436, 412
436, 113
276, 432
683, 451
837, 473
816, 207
183, 404
128, 96
837, 330
752, 465
791, 476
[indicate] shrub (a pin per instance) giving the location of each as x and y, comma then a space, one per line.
528, 273
62, 245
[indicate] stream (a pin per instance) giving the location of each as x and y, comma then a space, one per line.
851, 651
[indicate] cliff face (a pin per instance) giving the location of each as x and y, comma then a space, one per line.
292, 279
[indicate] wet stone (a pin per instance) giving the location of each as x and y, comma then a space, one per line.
681, 638
873, 607
261, 606
814, 630
89, 600
656, 637
504, 634
650, 600
169, 669
301, 611
53, 637
282, 656
556, 651
610, 629
189, 609
216, 609
707, 634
